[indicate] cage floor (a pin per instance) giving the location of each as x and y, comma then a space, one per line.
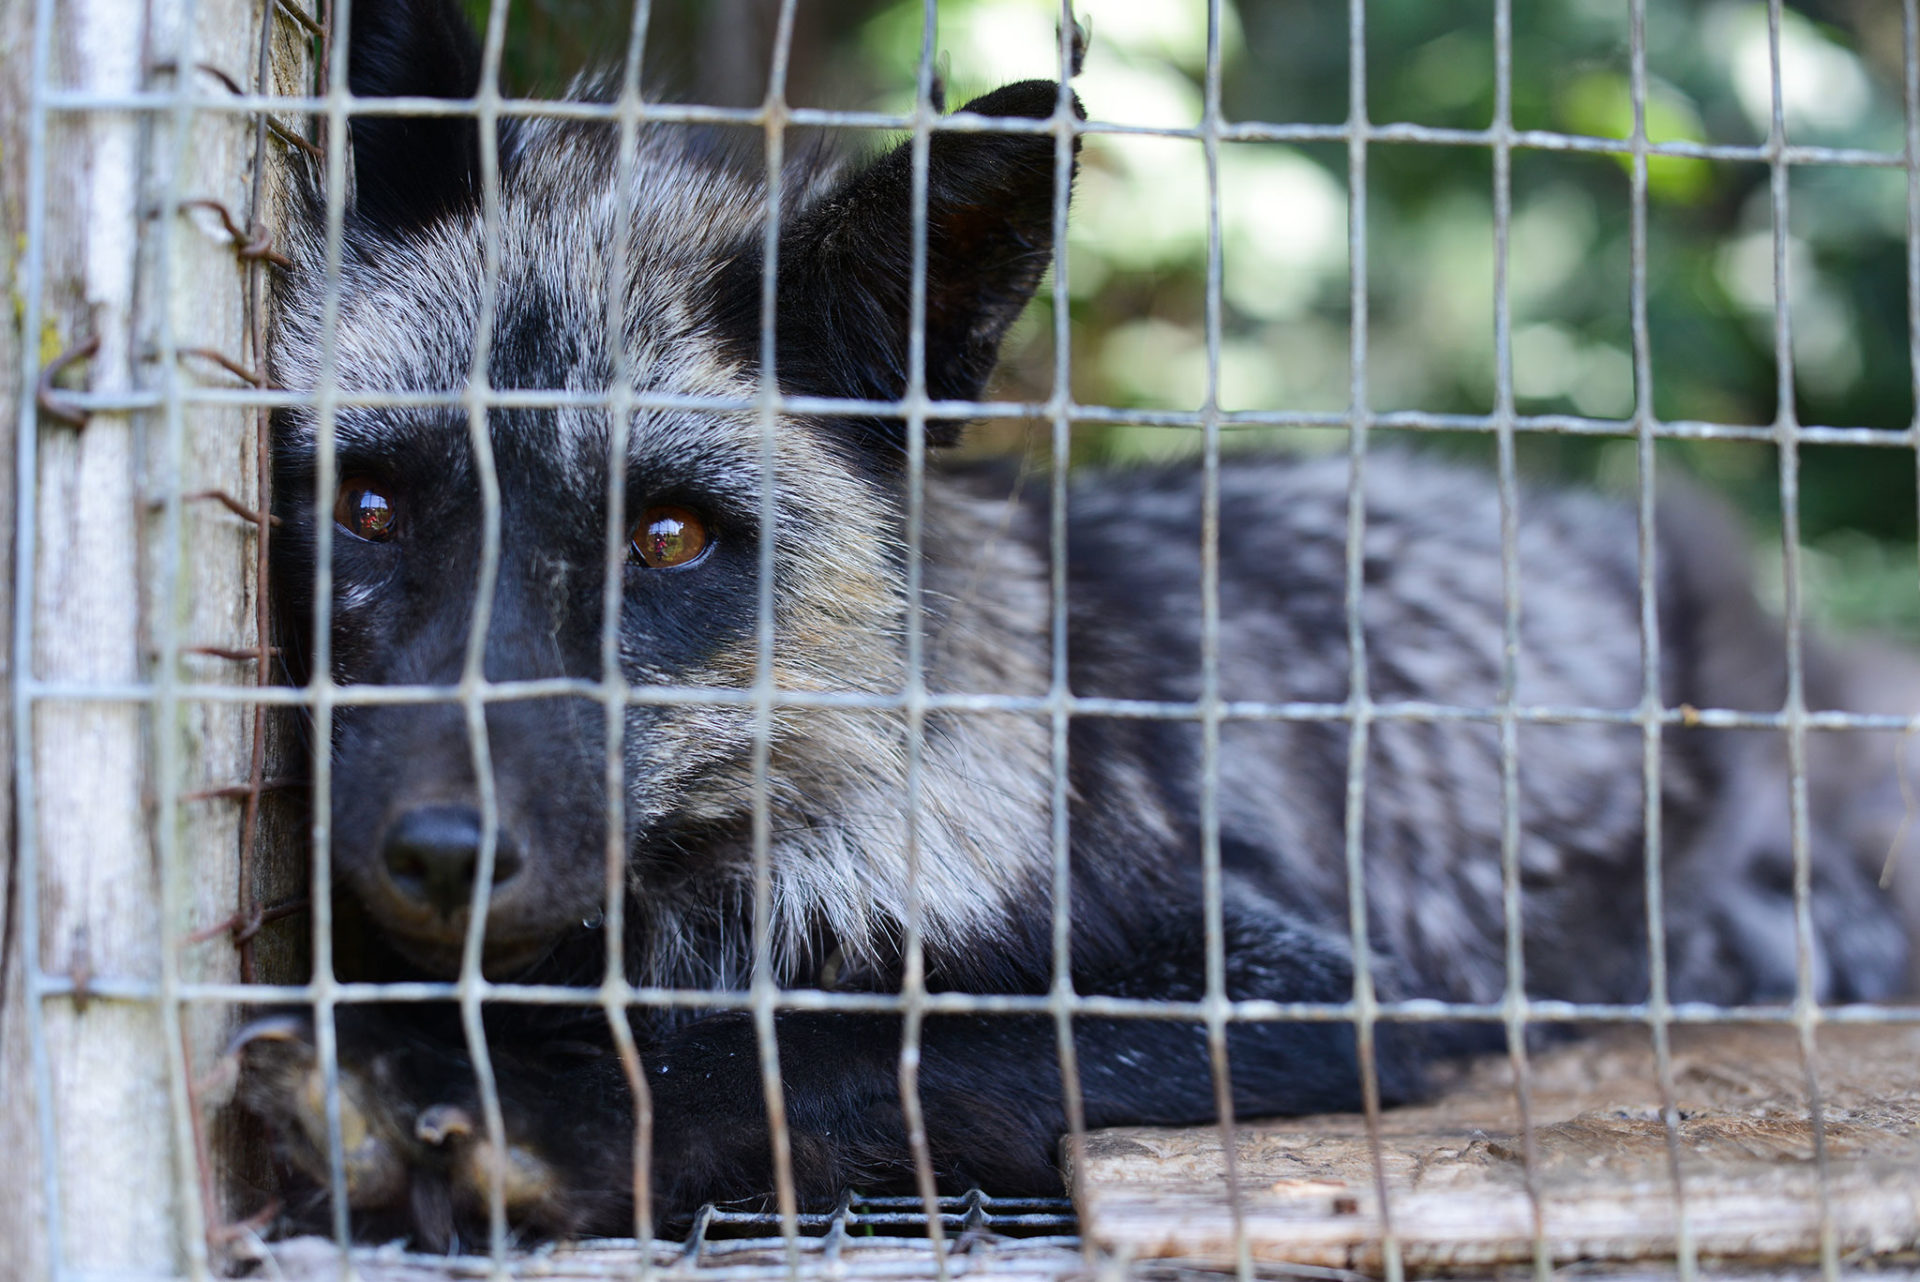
1758, 1183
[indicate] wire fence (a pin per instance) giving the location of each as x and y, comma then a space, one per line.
189, 389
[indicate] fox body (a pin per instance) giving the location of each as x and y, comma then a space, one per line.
647, 270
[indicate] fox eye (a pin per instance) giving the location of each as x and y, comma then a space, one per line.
668, 536
364, 510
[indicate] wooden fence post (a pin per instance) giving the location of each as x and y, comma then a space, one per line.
125, 587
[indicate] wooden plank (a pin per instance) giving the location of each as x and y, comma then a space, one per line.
1456, 1176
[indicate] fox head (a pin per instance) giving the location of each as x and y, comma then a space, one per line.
458, 538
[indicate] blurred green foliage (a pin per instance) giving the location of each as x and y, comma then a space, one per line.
1138, 249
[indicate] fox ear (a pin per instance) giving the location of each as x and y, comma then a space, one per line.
846, 266
409, 170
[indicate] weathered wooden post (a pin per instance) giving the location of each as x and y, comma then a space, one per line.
129, 576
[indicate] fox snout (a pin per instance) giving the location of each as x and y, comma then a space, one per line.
412, 841
432, 856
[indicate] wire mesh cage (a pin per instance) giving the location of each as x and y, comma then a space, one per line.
174, 874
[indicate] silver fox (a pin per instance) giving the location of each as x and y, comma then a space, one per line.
407, 835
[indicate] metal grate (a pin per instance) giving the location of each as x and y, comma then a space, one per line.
949, 1234
883, 1237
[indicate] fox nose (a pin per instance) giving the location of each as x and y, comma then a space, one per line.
433, 852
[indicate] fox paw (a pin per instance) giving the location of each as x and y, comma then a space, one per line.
414, 1151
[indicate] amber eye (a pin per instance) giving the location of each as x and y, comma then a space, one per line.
364, 510
669, 536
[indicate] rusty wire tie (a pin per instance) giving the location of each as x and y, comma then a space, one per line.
226, 363
232, 86
52, 404
233, 652
223, 1076
301, 17
256, 242
244, 926
236, 791
80, 968
222, 1234
232, 505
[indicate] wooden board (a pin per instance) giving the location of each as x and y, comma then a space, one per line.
1456, 1177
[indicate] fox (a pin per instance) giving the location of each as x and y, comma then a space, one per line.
834, 840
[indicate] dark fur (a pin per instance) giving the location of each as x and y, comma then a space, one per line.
401, 613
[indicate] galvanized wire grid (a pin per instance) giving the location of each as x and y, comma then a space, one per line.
789, 1242
860, 1238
